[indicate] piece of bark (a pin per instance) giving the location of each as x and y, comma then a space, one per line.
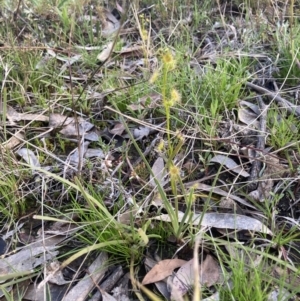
108, 284
95, 273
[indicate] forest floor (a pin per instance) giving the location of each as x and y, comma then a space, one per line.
150, 150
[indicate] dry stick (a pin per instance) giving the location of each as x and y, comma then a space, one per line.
197, 284
17, 11
256, 165
291, 108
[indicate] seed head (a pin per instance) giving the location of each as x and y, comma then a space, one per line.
174, 172
179, 136
168, 60
175, 96
154, 77
161, 146
144, 34
168, 103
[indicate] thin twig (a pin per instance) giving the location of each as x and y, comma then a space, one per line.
17, 11
260, 145
291, 108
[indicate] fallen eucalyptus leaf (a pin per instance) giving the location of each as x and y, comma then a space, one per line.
141, 132
230, 164
78, 154
110, 24
209, 274
248, 113
28, 156
105, 53
223, 221
12, 115
118, 129
161, 285
13, 141
162, 270
158, 170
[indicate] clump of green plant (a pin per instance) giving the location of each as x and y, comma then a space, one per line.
12, 205
216, 91
249, 273
221, 86
247, 284
101, 227
288, 43
284, 129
